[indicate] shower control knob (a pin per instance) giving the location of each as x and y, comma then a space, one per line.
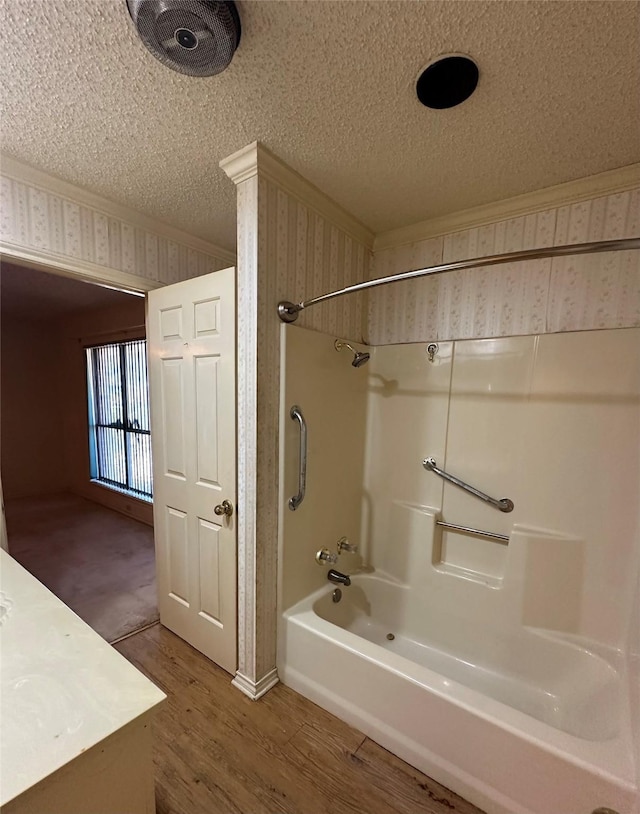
325, 556
345, 545
226, 507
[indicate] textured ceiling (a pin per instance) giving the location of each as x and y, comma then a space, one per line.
36, 295
329, 87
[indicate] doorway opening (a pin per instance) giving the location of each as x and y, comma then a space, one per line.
75, 461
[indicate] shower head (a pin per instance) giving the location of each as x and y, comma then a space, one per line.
359, 357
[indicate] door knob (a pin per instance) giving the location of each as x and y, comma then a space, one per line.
226, 507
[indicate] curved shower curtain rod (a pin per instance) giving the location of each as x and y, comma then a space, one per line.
288, 311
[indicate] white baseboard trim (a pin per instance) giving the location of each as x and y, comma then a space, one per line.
127, 505
256, 689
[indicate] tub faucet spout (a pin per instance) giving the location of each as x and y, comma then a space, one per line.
338, 578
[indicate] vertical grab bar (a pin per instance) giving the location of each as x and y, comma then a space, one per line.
296, 500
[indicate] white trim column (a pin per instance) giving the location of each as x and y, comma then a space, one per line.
291, 237
257, 485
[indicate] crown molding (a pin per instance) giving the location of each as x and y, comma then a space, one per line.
12, 168
256, 159
243, 164
593, 186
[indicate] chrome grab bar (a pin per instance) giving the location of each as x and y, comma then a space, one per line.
501, 538
296, 500
503, 503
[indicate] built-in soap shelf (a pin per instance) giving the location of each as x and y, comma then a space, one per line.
460, 572
540, 571
422, 540
466, 553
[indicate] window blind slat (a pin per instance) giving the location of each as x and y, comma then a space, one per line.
121, 429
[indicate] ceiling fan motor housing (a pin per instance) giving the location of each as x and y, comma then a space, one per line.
195, 37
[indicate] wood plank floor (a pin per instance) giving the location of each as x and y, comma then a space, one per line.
218, 752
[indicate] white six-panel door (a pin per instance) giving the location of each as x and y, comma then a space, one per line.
191, 345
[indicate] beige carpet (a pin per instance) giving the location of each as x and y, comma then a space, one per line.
100, 563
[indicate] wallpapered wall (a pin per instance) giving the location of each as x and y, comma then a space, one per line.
538, 296
286, 250
306, 255
36, 218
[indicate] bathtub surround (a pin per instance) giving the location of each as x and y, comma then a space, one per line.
527, 647
540, 420
332, 395
290, 236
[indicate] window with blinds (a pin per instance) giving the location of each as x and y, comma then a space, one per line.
119, 429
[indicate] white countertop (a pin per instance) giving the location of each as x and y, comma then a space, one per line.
63, 689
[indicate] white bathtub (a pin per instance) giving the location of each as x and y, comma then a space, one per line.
520, 722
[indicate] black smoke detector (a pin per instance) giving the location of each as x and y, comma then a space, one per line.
447, 82
195, 37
